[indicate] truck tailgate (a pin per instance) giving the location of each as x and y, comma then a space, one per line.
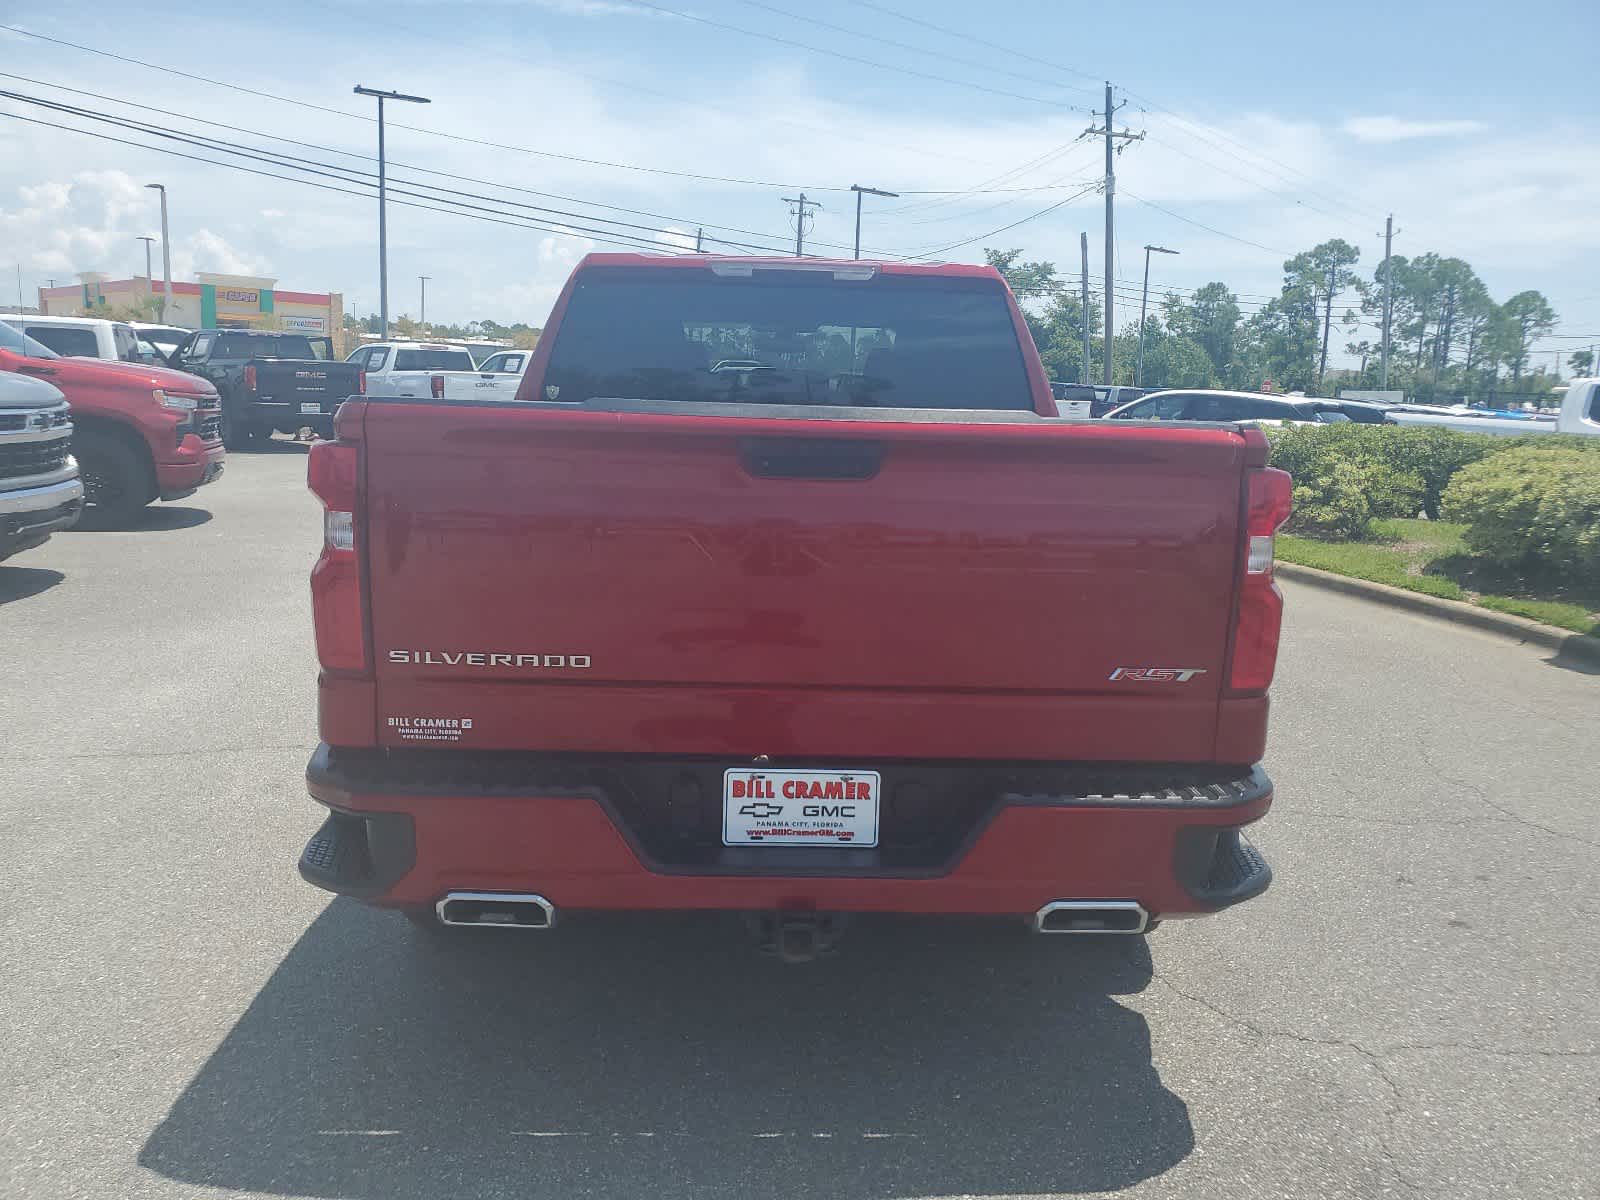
744, 584
313, 380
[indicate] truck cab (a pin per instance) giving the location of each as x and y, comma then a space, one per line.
80, 337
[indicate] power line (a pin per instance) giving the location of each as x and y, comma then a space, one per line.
839, 54
1004, 228
570, 230
871, 37
1208, 228
968, 37
276, 158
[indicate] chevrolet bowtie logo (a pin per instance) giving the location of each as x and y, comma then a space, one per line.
761, 809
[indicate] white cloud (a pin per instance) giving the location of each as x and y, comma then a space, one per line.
91, 222
1399, 129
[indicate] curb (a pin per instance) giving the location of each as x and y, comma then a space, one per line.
1564, 642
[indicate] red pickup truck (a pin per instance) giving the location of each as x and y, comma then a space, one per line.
140, 433
781, 589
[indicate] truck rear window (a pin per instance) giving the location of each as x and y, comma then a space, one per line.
432, 360
70, 340
283, 346
787, 337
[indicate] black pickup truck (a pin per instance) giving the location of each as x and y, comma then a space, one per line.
267, 381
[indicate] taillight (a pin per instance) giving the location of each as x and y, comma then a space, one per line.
1255, 637
336, 607
361, 383
437, 384
250, 377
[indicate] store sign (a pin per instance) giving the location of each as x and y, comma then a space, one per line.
239, 296
306, 324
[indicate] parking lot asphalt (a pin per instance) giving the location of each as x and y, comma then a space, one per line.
1411, 1010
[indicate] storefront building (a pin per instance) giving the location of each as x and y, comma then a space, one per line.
212, 301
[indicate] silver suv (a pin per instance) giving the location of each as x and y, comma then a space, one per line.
39, 487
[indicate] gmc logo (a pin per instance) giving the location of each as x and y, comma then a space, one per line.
1155, 674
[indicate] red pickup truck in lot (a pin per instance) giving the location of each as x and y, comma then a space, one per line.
140, 433
780, 589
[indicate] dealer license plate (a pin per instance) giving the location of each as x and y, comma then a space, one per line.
800, 808
308, 407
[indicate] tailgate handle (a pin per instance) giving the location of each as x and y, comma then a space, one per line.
810, 458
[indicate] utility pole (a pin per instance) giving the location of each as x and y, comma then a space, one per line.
1083, 250
1144, 303
1388, 294
866, 191
20, 305
799, 213
1112, 138
383, 197
422, 317
699, 240
166, 252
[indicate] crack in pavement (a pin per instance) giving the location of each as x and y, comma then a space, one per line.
1373, 1058
1477, 790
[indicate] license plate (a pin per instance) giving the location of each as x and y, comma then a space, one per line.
307, 407
800, 808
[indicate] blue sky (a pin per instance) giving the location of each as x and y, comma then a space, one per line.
1270, 127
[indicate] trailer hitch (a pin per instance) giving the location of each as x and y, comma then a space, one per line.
797, 937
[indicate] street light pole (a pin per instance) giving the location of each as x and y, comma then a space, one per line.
866, 191
166, 252
146, 239
383, 218
1144, 301
422, 318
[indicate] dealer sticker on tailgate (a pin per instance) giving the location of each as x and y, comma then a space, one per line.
799, 808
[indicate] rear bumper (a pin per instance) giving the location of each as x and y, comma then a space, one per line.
404, 830
192, 465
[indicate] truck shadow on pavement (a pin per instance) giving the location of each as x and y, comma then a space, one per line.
664, 1057
18, 583
156, 518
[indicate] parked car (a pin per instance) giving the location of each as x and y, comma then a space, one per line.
80, 337
430, 369
910, 643
39, 487
139, 433
1466, 419
282, 381
1107, 398
1199, 404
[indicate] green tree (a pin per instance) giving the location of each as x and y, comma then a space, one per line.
1324, 273
1527, 317
1581, 362
1210, 319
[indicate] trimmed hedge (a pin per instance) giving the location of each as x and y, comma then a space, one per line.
1532, 508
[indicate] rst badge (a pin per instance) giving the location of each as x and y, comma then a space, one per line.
1155, 674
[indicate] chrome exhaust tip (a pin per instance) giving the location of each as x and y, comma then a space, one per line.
1091, 916
496, 910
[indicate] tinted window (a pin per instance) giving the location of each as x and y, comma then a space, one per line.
285, 345
785, 337
432, 360
1158, 408
66, 339
18, 342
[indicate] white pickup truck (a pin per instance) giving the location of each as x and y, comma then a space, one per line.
431, 369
